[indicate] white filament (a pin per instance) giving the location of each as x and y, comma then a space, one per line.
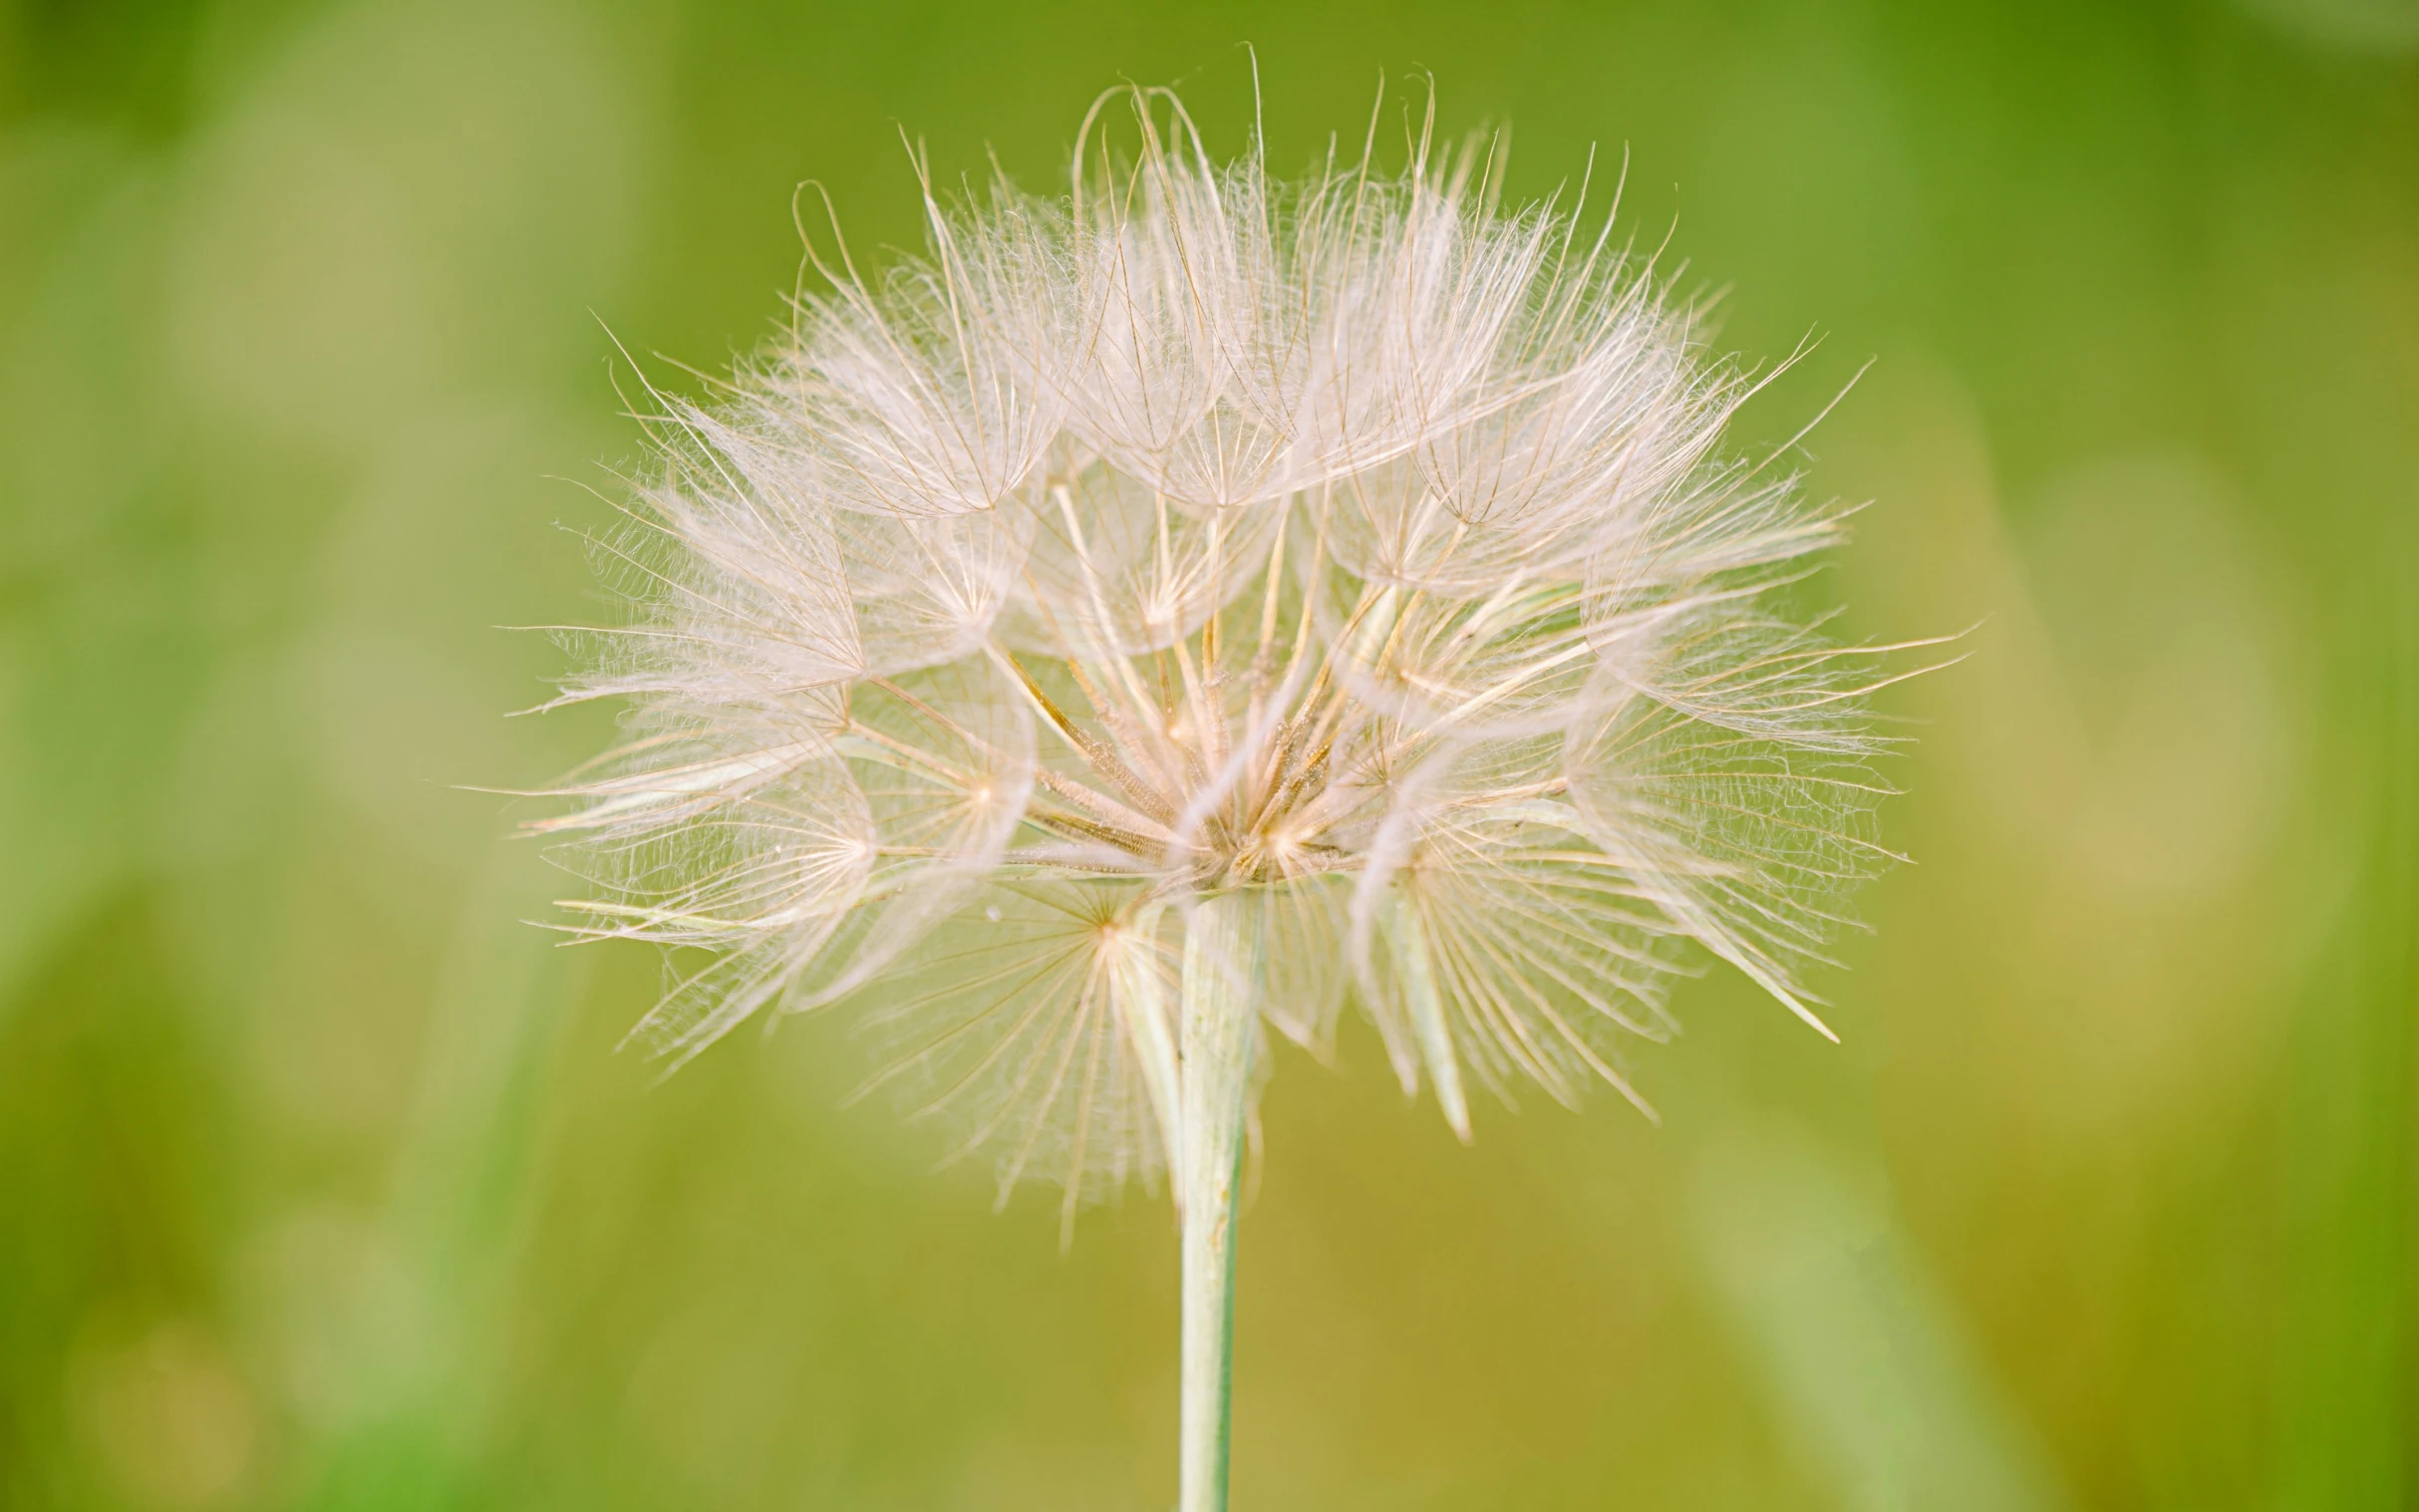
1353, 556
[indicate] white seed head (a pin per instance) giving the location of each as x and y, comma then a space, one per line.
1357, 546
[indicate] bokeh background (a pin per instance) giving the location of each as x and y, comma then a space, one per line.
321, 1184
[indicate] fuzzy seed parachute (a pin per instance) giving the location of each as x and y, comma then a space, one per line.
1338, 586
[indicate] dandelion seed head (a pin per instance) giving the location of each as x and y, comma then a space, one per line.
1357, 548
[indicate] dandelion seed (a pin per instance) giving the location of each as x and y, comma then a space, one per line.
1181, 609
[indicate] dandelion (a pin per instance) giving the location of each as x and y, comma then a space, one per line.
1168, 614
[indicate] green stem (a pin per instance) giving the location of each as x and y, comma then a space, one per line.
1219, 1029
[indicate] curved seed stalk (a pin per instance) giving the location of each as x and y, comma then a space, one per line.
1221, 1032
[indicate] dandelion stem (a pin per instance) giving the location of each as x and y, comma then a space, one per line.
1220, 1030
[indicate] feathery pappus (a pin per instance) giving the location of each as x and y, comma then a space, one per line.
1201, 602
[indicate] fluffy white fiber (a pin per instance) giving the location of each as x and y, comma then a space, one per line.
1357, 548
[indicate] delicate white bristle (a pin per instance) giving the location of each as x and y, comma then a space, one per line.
1355, 546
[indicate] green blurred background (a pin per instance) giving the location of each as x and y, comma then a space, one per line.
322, 1186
